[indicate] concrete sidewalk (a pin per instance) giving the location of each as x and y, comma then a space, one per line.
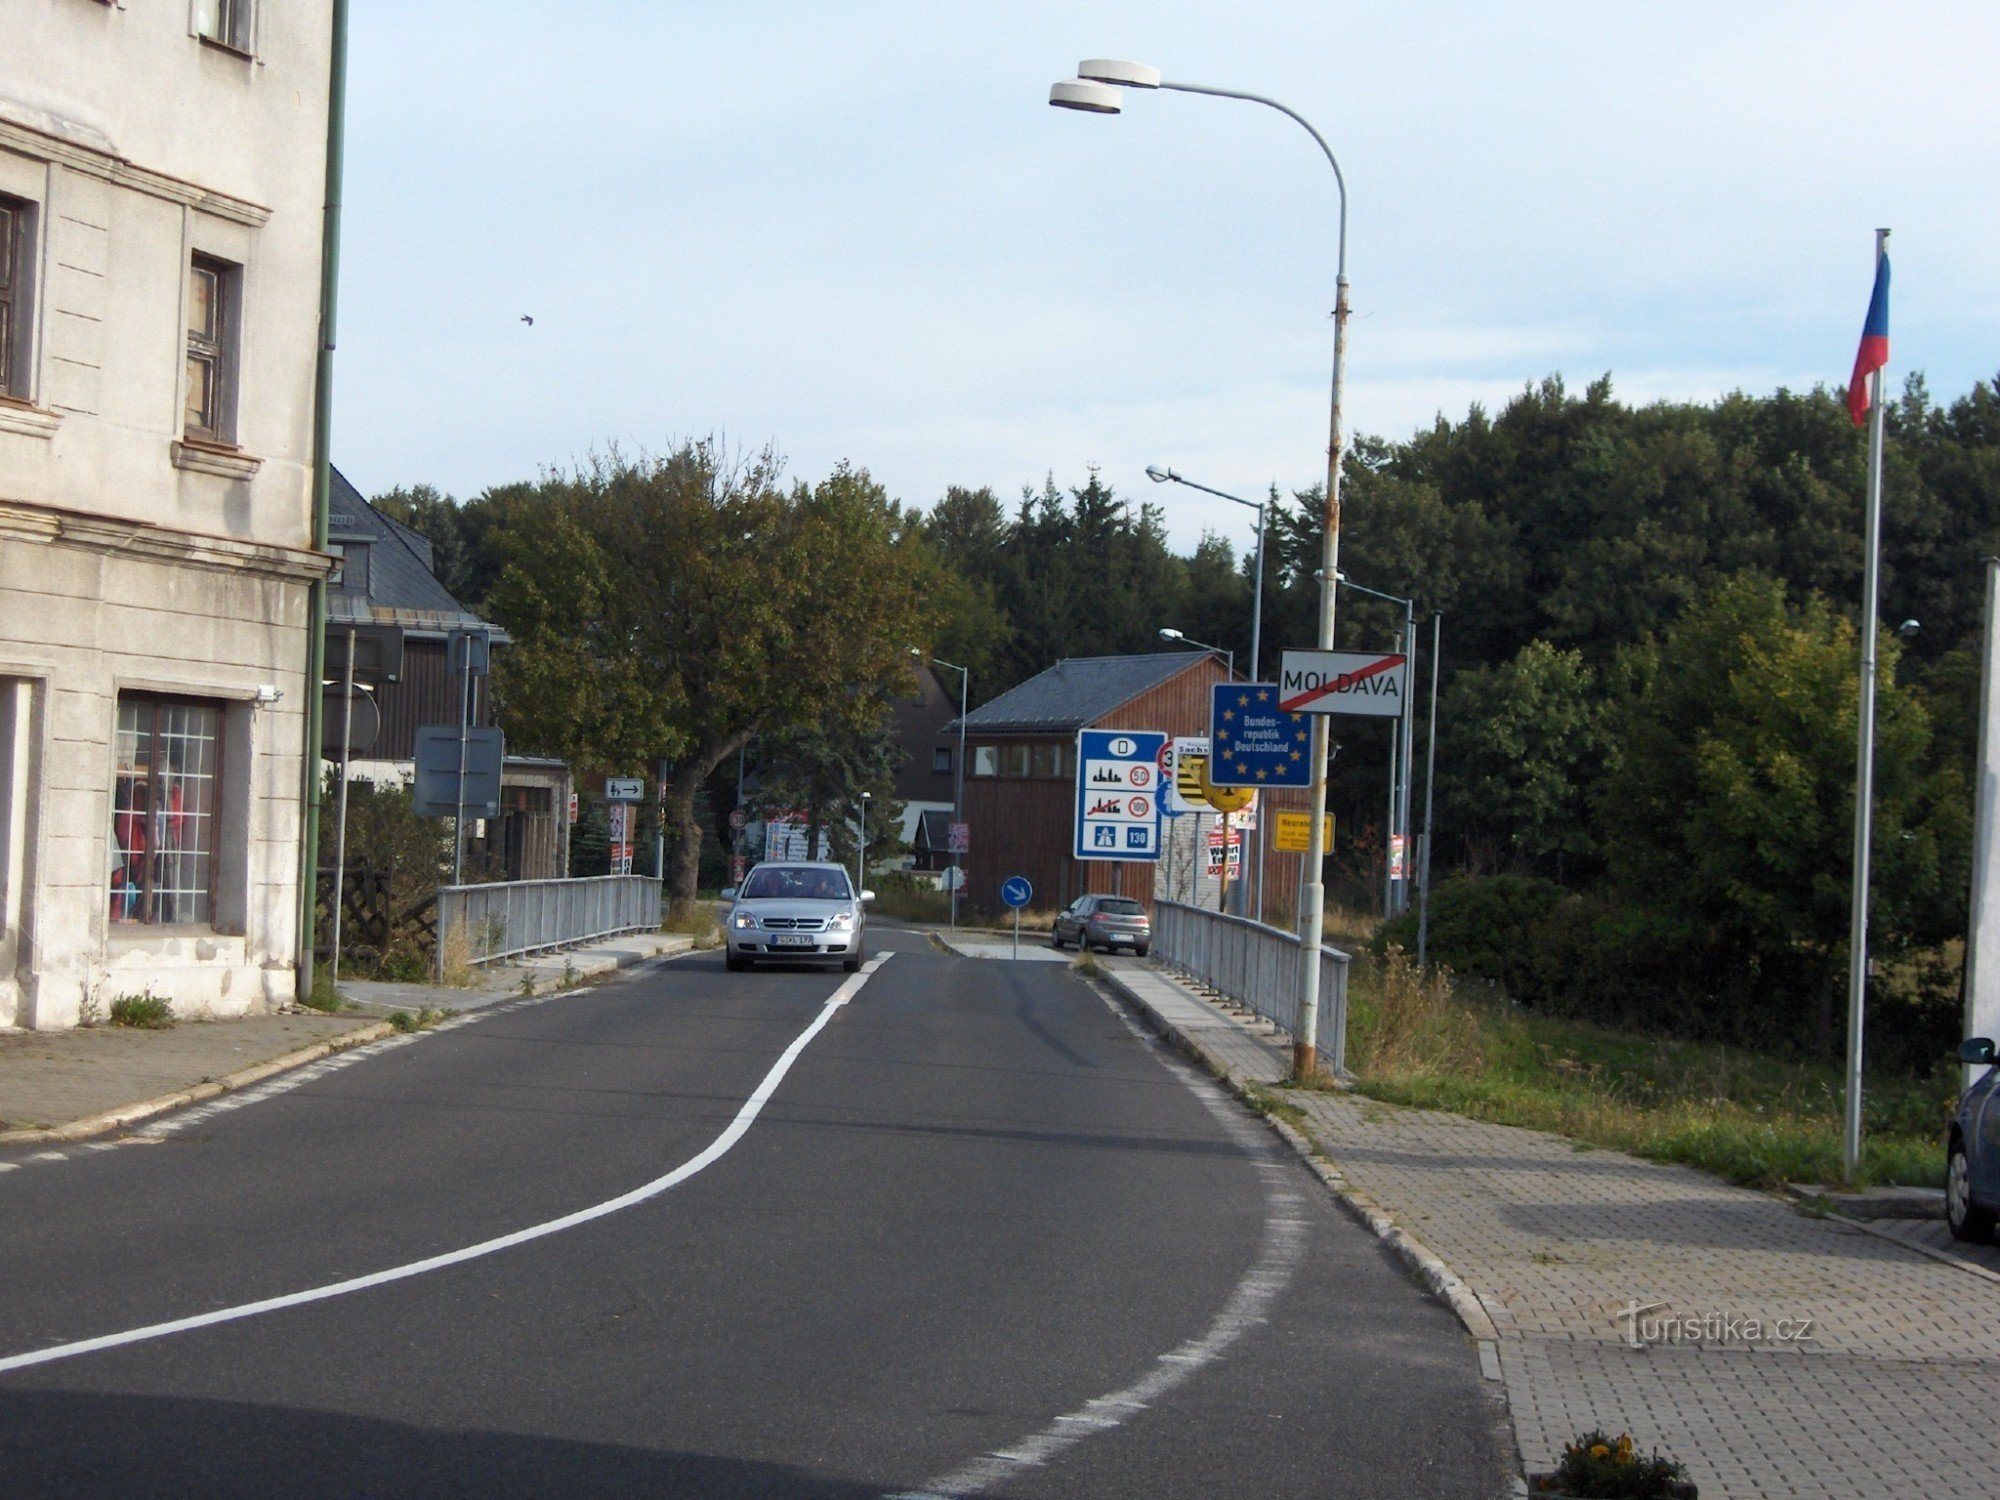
69, 1085
1772, 1352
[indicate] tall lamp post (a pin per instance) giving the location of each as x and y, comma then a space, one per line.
958, 774
1096, 90
1166, 476
1396, 892
1168, 633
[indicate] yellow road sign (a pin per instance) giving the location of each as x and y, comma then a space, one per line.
1225, 799
1294, 831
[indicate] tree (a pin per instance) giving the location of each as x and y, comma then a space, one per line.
822, 770
1526, 742
1729, 800
672, 608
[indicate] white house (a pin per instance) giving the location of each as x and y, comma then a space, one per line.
162, 170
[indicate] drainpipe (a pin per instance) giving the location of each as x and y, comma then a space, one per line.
329, 280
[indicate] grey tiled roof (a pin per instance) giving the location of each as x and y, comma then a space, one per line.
1076, 692
402, 590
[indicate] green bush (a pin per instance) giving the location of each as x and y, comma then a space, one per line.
1489, 928
902, 895
147, 1012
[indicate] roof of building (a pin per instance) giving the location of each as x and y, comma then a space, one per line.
402, 589
1076, 692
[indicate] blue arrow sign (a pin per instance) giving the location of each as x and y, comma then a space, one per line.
1016, 891
1253, 742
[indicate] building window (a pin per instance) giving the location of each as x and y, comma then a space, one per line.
163, 811
211, 349
985, 760
1014, 760
941, 760
13, 298
1046, 760
224, 22
350, 574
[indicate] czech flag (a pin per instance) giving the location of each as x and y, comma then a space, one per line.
1874, 344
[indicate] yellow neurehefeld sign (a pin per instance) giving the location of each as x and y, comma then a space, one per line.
1292, 832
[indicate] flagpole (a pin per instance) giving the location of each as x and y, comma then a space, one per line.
1864, 778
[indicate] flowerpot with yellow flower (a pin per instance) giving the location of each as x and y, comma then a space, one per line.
1597, 1467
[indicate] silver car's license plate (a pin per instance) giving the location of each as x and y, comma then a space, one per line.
792, 940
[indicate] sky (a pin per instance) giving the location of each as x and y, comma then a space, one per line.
856, 232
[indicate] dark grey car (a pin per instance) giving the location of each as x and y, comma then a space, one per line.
1972, 1149
1105, 922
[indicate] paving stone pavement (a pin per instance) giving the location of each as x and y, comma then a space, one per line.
1778, 1354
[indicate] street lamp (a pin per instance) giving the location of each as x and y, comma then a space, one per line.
861, 850
1166, 476
1394, 899
958, 774
1095, 90
1168, 633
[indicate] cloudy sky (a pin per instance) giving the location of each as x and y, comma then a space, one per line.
856, 231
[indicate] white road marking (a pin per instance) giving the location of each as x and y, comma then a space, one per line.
716, 1150
1278, 1258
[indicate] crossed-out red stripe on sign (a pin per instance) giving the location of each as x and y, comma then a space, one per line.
1339, 684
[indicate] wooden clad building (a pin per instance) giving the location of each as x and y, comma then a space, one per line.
1020, 782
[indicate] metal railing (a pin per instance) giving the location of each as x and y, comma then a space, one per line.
1255, 966
521, 916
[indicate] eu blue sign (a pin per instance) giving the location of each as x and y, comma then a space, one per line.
1016, 891
1253, 742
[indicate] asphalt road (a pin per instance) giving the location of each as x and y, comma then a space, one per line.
979, 1213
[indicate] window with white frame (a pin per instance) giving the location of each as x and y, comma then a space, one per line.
224, 22
164, 810
214, 296
14, 320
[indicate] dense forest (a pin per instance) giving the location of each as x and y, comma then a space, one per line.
1649, 661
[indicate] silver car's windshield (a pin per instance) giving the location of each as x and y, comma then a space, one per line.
783, 883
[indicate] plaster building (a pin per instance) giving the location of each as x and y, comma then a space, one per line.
162, 172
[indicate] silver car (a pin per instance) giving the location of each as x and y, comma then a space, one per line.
796, 910
1105, 922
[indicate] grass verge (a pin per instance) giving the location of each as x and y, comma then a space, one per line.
1753, 1118
697, 921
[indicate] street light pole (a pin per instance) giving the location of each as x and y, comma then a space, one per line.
1396, 892
1168, 633
861, 849
1165, 476
1095, 90
1430, 789
958, 774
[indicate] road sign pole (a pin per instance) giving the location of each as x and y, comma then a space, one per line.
1222, 901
